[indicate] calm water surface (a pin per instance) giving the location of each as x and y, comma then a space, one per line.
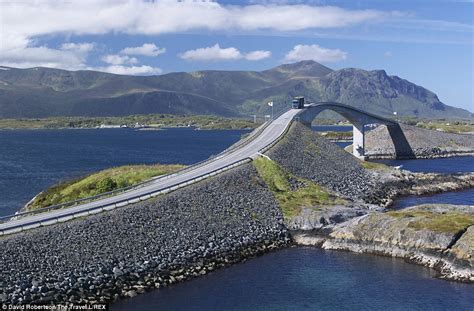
464, 197
311, 279
32, 160
332, 128
443, 165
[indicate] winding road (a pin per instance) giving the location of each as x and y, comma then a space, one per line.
226, 160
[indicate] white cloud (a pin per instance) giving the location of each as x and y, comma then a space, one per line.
258, 55
387, 54
216, 53
72, 56
167, 16
316, 53
84, 47
130, 70
90, 17
144, 17
69, 56
147, 49
212, 53
115, 59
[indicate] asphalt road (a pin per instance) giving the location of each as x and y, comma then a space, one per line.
266, 137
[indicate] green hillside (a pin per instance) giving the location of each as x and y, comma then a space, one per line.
46, 92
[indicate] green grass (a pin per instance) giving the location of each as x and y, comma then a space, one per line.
153, 120
375, 166
447, 126
100, 182
291, 201
338, 135
450, 222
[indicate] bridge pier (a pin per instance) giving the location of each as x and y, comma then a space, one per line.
359, 118
358, 141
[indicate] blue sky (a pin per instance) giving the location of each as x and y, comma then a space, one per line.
427, 42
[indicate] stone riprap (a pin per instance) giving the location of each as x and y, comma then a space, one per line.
424, 143
308, 155
146, 245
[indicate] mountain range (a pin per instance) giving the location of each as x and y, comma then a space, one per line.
45, 92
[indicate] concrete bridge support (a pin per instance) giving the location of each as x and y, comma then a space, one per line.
358, 141
359, 119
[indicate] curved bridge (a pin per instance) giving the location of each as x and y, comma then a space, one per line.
359, 119
259, 141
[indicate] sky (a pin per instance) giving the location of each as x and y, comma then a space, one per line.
428, 42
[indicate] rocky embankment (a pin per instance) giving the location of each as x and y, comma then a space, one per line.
436, 236
147, 245
307, 155
424, 143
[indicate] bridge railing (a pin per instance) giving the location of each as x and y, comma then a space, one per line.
71, 214
104, 195
384, 120
279, 138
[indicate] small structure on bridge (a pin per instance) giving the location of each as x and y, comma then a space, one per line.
359, 119
297, 102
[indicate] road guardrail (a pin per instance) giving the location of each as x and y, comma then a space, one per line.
97, 197
107, 206
110, 206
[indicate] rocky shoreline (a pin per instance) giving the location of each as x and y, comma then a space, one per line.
450, 253
427, 154
370, 189
427, 183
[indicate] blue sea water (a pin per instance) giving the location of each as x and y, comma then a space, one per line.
311, 279
290, 279
332, 128
442, 165
32, 160
463, 197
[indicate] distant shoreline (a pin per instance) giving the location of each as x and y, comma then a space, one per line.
148, 122
123, 128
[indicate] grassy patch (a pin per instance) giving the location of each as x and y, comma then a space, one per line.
100, 182
291, 201
447, 126
338, 135
449, 222
375, 166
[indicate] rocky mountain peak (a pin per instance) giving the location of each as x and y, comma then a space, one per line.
308, 68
